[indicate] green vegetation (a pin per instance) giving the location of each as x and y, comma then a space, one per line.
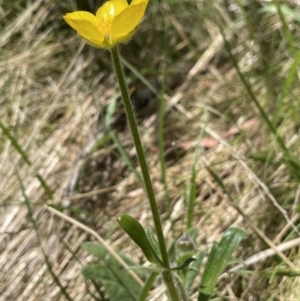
215, 87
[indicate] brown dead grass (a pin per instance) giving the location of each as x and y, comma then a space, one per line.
51, 105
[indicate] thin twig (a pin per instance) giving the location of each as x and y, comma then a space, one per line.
263, 255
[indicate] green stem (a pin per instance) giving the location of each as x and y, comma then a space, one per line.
144, 168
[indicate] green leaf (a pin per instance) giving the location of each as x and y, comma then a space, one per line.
137, 233
185, 264
285, 10
217, 261
94, 249
184, 256
111, 109
193, 271
102, 253
145, 290
126, 157
19, 149
153, 240
118, 284
15, 143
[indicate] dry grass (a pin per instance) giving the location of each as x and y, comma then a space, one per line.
53, 92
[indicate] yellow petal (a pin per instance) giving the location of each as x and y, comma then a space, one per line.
85, 25
133, 2
123, 25
110, 9
115, 22
119, 5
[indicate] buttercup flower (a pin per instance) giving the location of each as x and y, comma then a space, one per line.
114, 22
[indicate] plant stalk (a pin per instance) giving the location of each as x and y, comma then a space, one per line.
168, 279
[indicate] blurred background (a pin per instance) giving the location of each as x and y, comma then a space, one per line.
215, 85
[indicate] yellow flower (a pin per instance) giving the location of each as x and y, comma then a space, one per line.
114, 22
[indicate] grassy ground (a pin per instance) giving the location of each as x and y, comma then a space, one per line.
228, 72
